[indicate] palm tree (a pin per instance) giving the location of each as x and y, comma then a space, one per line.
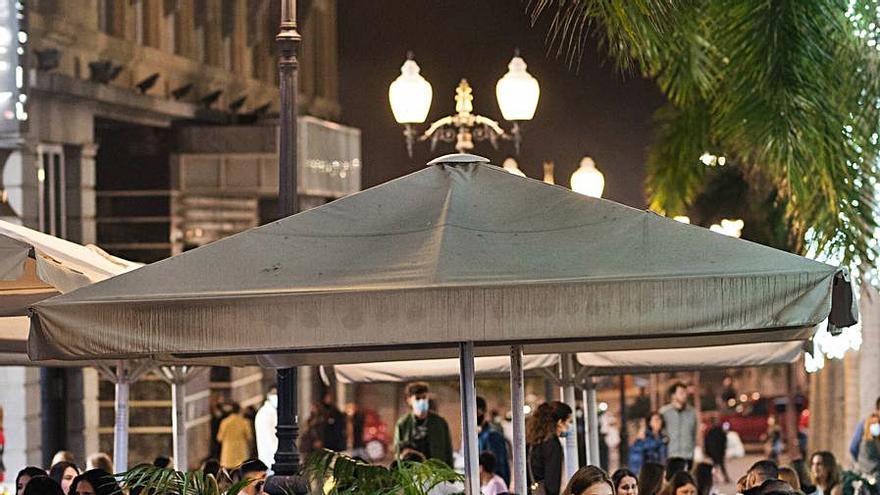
786, 91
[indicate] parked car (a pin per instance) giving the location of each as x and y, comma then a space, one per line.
749, 419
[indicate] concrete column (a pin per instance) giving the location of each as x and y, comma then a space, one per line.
91, 410
869, 365
213, 34
22, 185
20, 401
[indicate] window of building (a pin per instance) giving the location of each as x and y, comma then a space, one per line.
200, 17
227, 30
51, 190
107, 16
170, 26
139, 20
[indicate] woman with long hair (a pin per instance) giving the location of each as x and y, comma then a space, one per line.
868, 462
549, 422
651, 478
589, 480
63, 473
24, 477
625, 482
650, 445
703, 477
681, 484
825, 473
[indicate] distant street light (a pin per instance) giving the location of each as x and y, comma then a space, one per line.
410, 97
587, 179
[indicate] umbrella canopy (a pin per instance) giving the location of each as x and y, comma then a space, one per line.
595, 363
35, 266
456, 252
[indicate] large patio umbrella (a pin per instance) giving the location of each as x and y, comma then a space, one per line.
458, 255
34, 266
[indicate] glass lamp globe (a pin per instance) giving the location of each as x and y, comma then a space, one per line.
587, 180
511, 166
517, 92
410, 95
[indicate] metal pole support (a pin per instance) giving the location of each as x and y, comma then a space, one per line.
469, 419
567, 377
517, 401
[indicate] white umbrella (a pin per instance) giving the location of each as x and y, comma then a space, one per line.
459, 255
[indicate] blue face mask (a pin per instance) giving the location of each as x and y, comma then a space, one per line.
420, 406
568, 432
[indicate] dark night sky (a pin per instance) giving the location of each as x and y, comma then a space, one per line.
595, 110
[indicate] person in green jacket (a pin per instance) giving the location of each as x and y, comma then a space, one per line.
421, 429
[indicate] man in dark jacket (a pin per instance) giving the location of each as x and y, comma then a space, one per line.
493, 441
425, 431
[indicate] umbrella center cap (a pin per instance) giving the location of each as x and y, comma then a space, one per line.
458, 159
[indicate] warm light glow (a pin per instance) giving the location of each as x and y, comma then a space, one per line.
517, 92
511, 166
682, 218
732, 228
587, 179
410, 95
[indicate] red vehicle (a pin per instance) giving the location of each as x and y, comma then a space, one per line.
750, 419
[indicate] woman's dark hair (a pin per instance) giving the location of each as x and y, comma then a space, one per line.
56, 472
830, 464
675, 465
103, 482
651, 478
648, 421
703, 477
31, 472
586, 477
542, 424
800, 467
211, 466
680, 479
619, 475
43, 485
488, 461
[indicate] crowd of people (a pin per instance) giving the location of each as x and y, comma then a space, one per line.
64, 476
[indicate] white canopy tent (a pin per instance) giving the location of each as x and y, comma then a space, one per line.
458, 256
35, 266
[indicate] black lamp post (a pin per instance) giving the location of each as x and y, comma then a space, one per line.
286, 469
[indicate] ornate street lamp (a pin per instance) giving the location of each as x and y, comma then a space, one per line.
588, 180
410, 96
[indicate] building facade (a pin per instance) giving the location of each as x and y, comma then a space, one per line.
148, 127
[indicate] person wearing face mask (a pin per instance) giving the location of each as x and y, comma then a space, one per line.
546, 425
868, 462
859, 434
492, 440
264, 426
424, 431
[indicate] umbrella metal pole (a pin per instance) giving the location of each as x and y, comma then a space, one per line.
593, 416
567, 377
469, 419
120, 429
178, 397
517, 404
588, 454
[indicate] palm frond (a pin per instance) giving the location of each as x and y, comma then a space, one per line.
163, 480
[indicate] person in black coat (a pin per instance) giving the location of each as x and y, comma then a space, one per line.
549, 422
715, 446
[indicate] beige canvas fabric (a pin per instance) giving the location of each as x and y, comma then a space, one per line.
451, 253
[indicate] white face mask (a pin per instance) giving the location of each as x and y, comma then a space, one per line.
273, 399
875, 430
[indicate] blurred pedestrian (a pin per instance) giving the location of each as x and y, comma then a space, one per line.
760, 472
825, 473
650, 444
24, 477
334, 435
63, 473
264, 428
99, 460
220, 409
715, 445
625, 482
589, 480
490, 439
255, 471
550, 422
490, 482
43, 485
703, 477
789, 476
682, 483
868, 464
62, 456
428, 432
675, 465
235, 436
95, 482
651, 478
681, 423
859, 434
